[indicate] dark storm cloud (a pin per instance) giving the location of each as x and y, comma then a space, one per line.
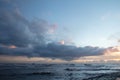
53, 50
67, 52
13, 29
18, 31
30, 37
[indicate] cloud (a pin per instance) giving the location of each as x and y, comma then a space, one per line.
22, 37
17, 30
53, 51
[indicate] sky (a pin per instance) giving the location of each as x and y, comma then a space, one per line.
59, 30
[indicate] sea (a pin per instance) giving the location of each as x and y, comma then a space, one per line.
61, 71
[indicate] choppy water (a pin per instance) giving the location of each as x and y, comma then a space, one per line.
24, 71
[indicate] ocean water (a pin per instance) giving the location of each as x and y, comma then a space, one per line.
36, 71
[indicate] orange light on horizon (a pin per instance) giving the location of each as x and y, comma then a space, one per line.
12, 46
113, 51
9, 46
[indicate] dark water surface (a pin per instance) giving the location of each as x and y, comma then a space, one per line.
29, 71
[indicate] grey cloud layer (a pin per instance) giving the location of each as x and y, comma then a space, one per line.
30, 39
